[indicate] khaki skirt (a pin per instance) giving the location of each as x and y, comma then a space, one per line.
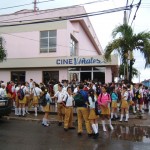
46, 108
35, 100
22, 101
105, 110
124, 104
93, 115
114, 104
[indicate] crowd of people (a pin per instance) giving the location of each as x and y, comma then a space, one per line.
115, 100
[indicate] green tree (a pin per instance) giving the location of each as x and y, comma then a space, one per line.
2, 50
125, 41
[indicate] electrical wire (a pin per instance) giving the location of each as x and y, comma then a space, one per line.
130, 10
24, 5
136, 11
39, 41
72, 16
55, 9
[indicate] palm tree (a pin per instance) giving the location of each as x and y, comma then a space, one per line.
125, 41
2, 50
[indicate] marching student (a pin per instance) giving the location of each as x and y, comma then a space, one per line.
60, 107
22, 101
46, 108
104, 101
114, 106
68, 103
27, 95
124, 105
92, 116
3, 90
37, 92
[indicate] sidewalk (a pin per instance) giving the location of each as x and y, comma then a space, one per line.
133, 120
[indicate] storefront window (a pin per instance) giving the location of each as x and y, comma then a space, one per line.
101, 69
18, 76
49, 76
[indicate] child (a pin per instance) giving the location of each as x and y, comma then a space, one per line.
104, 100
92, 116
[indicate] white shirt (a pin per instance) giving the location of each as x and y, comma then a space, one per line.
68, 99
125, 95
141, 92
26, 90
91, 103
65, 89
37, 91
3, 92
60, 96
55, 88
75, 90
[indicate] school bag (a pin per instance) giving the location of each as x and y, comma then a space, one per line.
97, 108
43, 100
79, 100
20, 94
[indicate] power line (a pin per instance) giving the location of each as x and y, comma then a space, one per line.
62, 8
72, 16
24, 5
136, 11
39, 41
130, 10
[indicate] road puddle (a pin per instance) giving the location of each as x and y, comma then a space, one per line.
131, 133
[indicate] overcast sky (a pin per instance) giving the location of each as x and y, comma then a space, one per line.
103, 24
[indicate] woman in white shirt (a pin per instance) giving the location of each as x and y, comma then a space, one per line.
92, 116
124, 104
36, 94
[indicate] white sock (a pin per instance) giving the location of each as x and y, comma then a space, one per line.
121, 117
127, 117
110, 125
23, 111
35, 109
16, 111
97, 126
19, 111
43, 122
27, 109
134, 109
111, 115
94, 128
103, 124
137, 106
116, 115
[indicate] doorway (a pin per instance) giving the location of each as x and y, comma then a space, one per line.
85, 76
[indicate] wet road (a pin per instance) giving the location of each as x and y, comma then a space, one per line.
28, 135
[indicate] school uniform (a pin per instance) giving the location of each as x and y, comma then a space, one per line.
23, 101
124, 103
49, 100
68, 121
114, 97
36, 94
60, 106
92, 115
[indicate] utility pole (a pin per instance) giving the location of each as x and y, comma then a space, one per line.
125, 22
35, 7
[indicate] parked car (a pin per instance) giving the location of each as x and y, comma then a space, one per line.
5, 106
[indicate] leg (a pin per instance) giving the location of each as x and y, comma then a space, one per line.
80, 120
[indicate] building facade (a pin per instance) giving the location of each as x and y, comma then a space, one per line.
46, 45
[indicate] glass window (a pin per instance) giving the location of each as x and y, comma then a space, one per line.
73, 47
18, 76
86, 68
101, 69
48, 41
50, 75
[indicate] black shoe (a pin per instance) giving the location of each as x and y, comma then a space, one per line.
71, 128
113, 119
90, 135
96, 136
65, 129
79, 134
60, 124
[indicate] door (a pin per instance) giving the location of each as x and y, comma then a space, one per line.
85, 76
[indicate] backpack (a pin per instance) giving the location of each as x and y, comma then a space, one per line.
79, 100
97, 108
20, 94
129, 96
43, 100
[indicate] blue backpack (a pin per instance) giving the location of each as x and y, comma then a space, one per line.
20, 94
79, 100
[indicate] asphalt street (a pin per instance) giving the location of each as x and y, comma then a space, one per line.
31, 135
